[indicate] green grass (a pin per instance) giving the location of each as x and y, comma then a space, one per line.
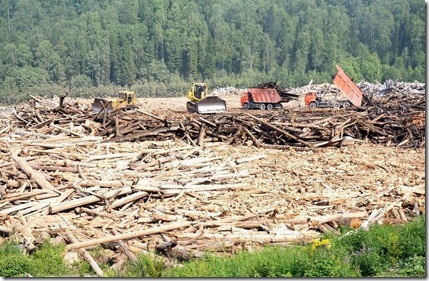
46, 261
383, 251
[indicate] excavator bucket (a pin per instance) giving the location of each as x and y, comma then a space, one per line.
210, 104
100, 104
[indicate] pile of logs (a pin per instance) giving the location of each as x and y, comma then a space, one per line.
85, 192
136, 182
390, 119
164, 196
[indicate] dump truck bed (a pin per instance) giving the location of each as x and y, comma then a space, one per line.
265, 95
348, 87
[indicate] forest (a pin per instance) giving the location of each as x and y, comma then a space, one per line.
87, 48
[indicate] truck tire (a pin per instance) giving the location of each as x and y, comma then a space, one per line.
336, 105
262, 106
270, 106
313, 104
246, 105
346, 104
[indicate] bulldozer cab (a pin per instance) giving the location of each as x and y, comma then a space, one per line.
197, 92
128, 96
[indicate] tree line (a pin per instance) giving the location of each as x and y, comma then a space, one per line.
158, 47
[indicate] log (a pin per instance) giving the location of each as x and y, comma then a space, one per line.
126, 250
5, 229
66, 130
23, 195
133, 197
249, 159
294, 236
150, 115
54, 168
124, 236
18, 207
321, 219
255, 140
32, 174
87, 256
228, 220
111, 184
58, 207
279, 130
202, 135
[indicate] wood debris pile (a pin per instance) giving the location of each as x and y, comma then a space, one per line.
391, 120
172, 198
86, 193
138, 182
393, 88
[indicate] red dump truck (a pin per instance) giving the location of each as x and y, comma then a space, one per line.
261, 98
345, 84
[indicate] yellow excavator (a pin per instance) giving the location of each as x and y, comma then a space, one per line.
200, 102
125, 99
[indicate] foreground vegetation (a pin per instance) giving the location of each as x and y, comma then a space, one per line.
383, 251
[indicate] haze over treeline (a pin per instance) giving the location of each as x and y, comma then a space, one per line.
160, 46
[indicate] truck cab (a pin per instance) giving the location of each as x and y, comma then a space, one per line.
311, 99
314, 99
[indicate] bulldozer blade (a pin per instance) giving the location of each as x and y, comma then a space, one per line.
100, 104
211, 104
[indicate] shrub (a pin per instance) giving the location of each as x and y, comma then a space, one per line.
12, 262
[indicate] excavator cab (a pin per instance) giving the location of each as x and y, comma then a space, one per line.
200, 102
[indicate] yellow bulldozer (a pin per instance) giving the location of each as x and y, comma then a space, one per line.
200, 102
125, 99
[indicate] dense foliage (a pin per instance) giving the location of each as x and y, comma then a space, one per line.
156, 46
